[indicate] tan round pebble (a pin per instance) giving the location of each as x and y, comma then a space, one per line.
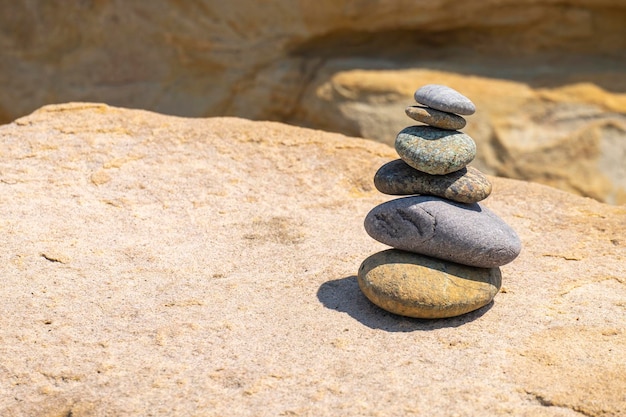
418, 286
436, 118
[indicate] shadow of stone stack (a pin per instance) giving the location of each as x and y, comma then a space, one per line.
447, 247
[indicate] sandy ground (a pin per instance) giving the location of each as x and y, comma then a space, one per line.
162, 266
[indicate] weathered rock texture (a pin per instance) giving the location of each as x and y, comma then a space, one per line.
548, 77
155, 265
571, 137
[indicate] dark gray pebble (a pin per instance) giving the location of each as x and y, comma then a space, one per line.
435, 118
468, 185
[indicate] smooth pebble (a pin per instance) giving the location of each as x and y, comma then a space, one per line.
418, 286
433, 150
444, 98
435, 118
468, 185
469, 234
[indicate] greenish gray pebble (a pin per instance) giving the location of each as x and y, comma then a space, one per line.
433, 150
435, 118
468, 185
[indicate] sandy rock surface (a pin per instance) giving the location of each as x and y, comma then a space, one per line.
155, 265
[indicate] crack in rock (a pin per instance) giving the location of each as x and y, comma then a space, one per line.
548, 403
425, 225
54, 258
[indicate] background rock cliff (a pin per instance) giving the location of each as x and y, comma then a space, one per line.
549, 77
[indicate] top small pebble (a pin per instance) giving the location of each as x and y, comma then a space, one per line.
440, 97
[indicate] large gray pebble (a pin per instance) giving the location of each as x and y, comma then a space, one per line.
469, 234
441, 97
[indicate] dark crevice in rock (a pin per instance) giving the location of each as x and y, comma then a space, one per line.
309, 70
52, 258
549, 403
388, 225
424, 225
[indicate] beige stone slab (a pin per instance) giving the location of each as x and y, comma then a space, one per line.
156, 265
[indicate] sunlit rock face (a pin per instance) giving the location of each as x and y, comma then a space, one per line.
548, 77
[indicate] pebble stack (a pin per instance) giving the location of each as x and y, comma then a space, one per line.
447, 247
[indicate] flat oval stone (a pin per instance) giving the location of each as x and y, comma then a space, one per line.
418, 286
469, 234
433, 150
441, 97
436, 118
467, 185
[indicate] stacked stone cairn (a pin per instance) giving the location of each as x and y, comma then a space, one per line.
447, 247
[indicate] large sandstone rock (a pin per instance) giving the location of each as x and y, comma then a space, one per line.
247, 58
155, 265
571, 137
549, 76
